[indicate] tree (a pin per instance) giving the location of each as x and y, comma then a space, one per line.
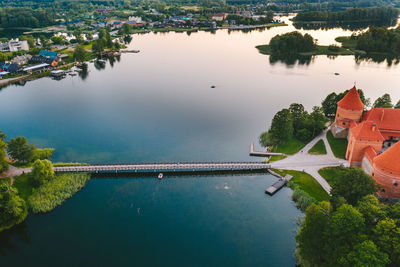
353, 184
397, 106
98, 46
43, 153
57, 40
2, 135
311, 236
19, 149
371, 209
42, 171
329, 105
281, 127
384, 101
298, 115
387, 237
13, 209
317, 121
345, 230
3, 57
365, 254
3, 162
79, 53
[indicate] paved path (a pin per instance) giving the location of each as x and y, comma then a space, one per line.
14, 171
303, 161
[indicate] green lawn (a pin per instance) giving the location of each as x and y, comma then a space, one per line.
289, 148
306, 183
338, 145
318, 149
24, 186
330, 173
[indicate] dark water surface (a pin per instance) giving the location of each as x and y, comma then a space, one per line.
158, 105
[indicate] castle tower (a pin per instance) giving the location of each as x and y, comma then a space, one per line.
361, 136
386, 171
349, 109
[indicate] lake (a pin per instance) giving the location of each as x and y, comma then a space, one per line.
158, 106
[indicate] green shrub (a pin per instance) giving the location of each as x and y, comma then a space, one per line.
302, 199
56, 191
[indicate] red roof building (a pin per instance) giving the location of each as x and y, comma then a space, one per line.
349, 109
372, 140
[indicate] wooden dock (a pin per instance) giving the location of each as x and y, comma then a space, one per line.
262, 154
278, 185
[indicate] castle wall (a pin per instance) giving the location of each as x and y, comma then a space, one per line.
390, 182
355, 150
366, 165
345, 116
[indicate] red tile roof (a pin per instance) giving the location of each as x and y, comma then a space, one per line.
365, 131
351, 100
371, 153
385, 118
390, 159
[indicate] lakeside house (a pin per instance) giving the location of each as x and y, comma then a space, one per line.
372, 140
14, 45
219, 16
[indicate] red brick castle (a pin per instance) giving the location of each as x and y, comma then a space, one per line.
372, 140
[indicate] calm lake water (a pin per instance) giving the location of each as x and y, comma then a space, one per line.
158, 105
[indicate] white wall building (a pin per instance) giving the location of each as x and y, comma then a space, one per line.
14, 45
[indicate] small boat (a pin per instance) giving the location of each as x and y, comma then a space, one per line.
160, 176
101, 61
72, 74
336, 73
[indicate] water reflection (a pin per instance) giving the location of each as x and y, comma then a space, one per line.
291, 60
10, 238
83, 74
377, 58
353, 26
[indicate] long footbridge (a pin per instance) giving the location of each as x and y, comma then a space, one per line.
177, 167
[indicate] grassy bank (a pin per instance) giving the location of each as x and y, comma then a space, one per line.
338, 145
320, 50
330, 173
318, 149
306, 190
56, 191
306, 183
289, 148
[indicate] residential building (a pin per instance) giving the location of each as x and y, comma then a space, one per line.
14, 45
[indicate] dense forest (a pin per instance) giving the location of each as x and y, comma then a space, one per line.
387, 14
25, 17
291, 43
379, 40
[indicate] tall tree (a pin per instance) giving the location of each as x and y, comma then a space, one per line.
365, 254
281, 127
42, 171
3, 161
13, 209
353, 185
387, 237
19, 149
79, 53
311, 236
384, 101
329, 105
397, 106
346, 229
